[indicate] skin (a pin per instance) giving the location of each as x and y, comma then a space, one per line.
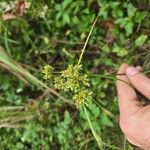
134, 117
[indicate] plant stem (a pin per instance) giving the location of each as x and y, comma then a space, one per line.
110, 77
96, 136
98, 139
83, 50
13, 65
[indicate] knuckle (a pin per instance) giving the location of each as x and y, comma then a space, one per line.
137, 78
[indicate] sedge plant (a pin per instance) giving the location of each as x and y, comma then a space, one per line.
73, 80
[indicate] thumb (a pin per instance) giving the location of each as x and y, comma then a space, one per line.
127, 98
139, 81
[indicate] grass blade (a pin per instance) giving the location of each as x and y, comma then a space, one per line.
23, 73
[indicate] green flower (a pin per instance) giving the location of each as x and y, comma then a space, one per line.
82, 98
59, 83
72, 71
48, 72
85, 80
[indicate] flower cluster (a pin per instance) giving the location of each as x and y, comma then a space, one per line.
82, 97
48, 72
72, 80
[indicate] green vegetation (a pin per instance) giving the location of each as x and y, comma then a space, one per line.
58, 66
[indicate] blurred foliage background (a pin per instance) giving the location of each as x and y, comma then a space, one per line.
34, 116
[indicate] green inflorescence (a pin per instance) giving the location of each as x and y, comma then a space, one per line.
48, 72
71, 80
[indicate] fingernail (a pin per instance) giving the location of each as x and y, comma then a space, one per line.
131, 71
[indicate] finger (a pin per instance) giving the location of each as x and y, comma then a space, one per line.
133, 142
127, 98
139, 68
139, 81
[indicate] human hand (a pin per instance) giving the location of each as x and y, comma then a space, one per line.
134, 117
